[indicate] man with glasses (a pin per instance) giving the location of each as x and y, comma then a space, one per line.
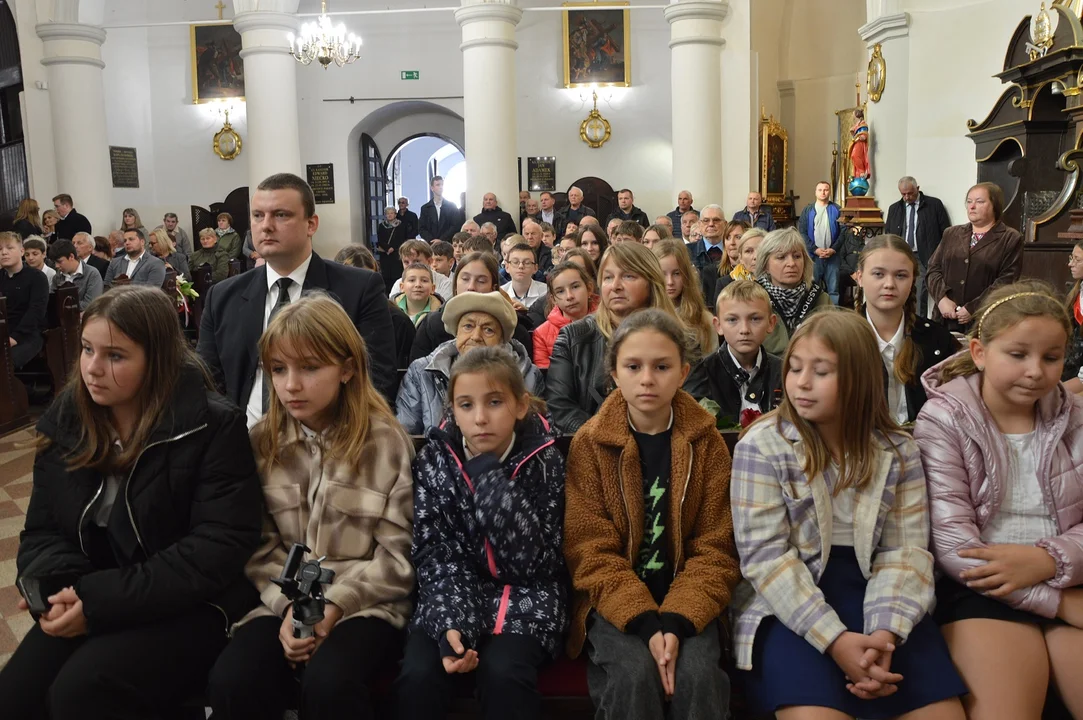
543, 255
921, 220
520, 265
407, 217
710, 250
71, 222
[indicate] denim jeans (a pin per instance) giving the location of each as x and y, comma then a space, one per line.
826, 272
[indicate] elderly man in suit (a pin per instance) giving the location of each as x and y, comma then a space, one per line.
238, 310
921, 220
138, 265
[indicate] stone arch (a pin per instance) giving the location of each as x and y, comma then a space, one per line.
389, 126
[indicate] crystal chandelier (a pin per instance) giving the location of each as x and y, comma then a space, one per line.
324, 42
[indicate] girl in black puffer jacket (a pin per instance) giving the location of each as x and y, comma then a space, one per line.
144, 510
488, 530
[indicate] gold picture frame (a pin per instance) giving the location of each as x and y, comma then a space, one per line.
592, 31
877, 78
774, 160
217, 67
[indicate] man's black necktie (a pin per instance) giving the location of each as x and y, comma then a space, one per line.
911, 232
284, 285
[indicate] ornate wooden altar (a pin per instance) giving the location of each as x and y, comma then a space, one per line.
1030, 143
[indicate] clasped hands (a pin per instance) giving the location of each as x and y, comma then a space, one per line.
866, 662
65, 618
301, 650
951, 311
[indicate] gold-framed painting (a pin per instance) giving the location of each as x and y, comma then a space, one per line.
597, 44
217, 67
774, 160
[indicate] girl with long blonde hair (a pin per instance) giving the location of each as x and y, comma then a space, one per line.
28, 218
683, 288
334, 465
832, 521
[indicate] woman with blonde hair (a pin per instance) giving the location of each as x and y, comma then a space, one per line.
130, 220
682, 287
162, 246
28, 218
629, 279
49, 219
784, 269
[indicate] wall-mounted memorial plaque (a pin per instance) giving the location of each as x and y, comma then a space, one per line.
322, 179
125, 168
541, 174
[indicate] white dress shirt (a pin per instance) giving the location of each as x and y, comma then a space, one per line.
549, 217
535, 292
132, 264
896, 391
255, 399
64, 277
745, 404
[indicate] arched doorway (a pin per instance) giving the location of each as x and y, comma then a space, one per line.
418, 159
373, 144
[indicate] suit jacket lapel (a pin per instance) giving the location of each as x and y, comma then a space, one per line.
254, 301
316, 277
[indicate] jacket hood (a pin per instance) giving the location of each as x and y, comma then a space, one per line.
961, 398
610, 425
445, 353
532, 432
186, 410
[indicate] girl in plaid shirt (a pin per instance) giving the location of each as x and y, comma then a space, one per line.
832, 524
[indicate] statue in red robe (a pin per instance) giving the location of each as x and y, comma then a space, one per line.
859, 150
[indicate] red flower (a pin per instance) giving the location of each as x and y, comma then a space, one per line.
749, 416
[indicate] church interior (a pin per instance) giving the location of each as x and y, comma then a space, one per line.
181, 108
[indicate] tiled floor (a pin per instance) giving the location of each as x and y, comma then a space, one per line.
16, 474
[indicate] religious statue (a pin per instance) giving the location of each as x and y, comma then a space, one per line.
860, 167
859, 150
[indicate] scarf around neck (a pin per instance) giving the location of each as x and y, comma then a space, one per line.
791, 304
220, 232
393, 224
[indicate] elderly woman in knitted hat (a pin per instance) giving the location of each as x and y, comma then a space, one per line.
475, 320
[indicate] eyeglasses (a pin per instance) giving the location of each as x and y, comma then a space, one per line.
1073, 260
520, 263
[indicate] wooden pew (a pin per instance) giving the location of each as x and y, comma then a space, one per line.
13, 400
236, 267
61, 348
169, 285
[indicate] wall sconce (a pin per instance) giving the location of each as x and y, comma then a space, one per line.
595, 130
227, 143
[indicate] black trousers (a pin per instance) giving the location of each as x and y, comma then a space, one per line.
506, 677
143, 672
253, 680
26, 351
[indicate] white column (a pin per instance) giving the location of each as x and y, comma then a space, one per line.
889, 119
73, 60
695, 56
273, 144
489, 100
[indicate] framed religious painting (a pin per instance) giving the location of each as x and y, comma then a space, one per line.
774, 161
597, 44
217, 67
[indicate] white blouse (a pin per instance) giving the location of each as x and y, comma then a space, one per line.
1023, 518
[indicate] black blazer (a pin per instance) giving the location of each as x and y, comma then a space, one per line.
233, 322
764, 390
932, 222
937, 344
409, 219
451, 219
99, 264
72, 225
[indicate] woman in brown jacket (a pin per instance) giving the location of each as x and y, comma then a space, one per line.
973, 259
648, 535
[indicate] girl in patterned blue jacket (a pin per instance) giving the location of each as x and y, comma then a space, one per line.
488, 546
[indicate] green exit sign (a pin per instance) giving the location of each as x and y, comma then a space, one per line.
411, 74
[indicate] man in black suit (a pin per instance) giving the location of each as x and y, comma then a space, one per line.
238, 309
408, 218
71, 222
440, 219
921, 220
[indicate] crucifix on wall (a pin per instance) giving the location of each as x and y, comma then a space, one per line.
220, 7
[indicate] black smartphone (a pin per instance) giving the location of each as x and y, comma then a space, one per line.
37, 591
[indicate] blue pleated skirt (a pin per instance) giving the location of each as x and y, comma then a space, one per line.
788, 671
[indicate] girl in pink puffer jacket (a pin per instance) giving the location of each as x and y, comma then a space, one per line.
1002, 445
